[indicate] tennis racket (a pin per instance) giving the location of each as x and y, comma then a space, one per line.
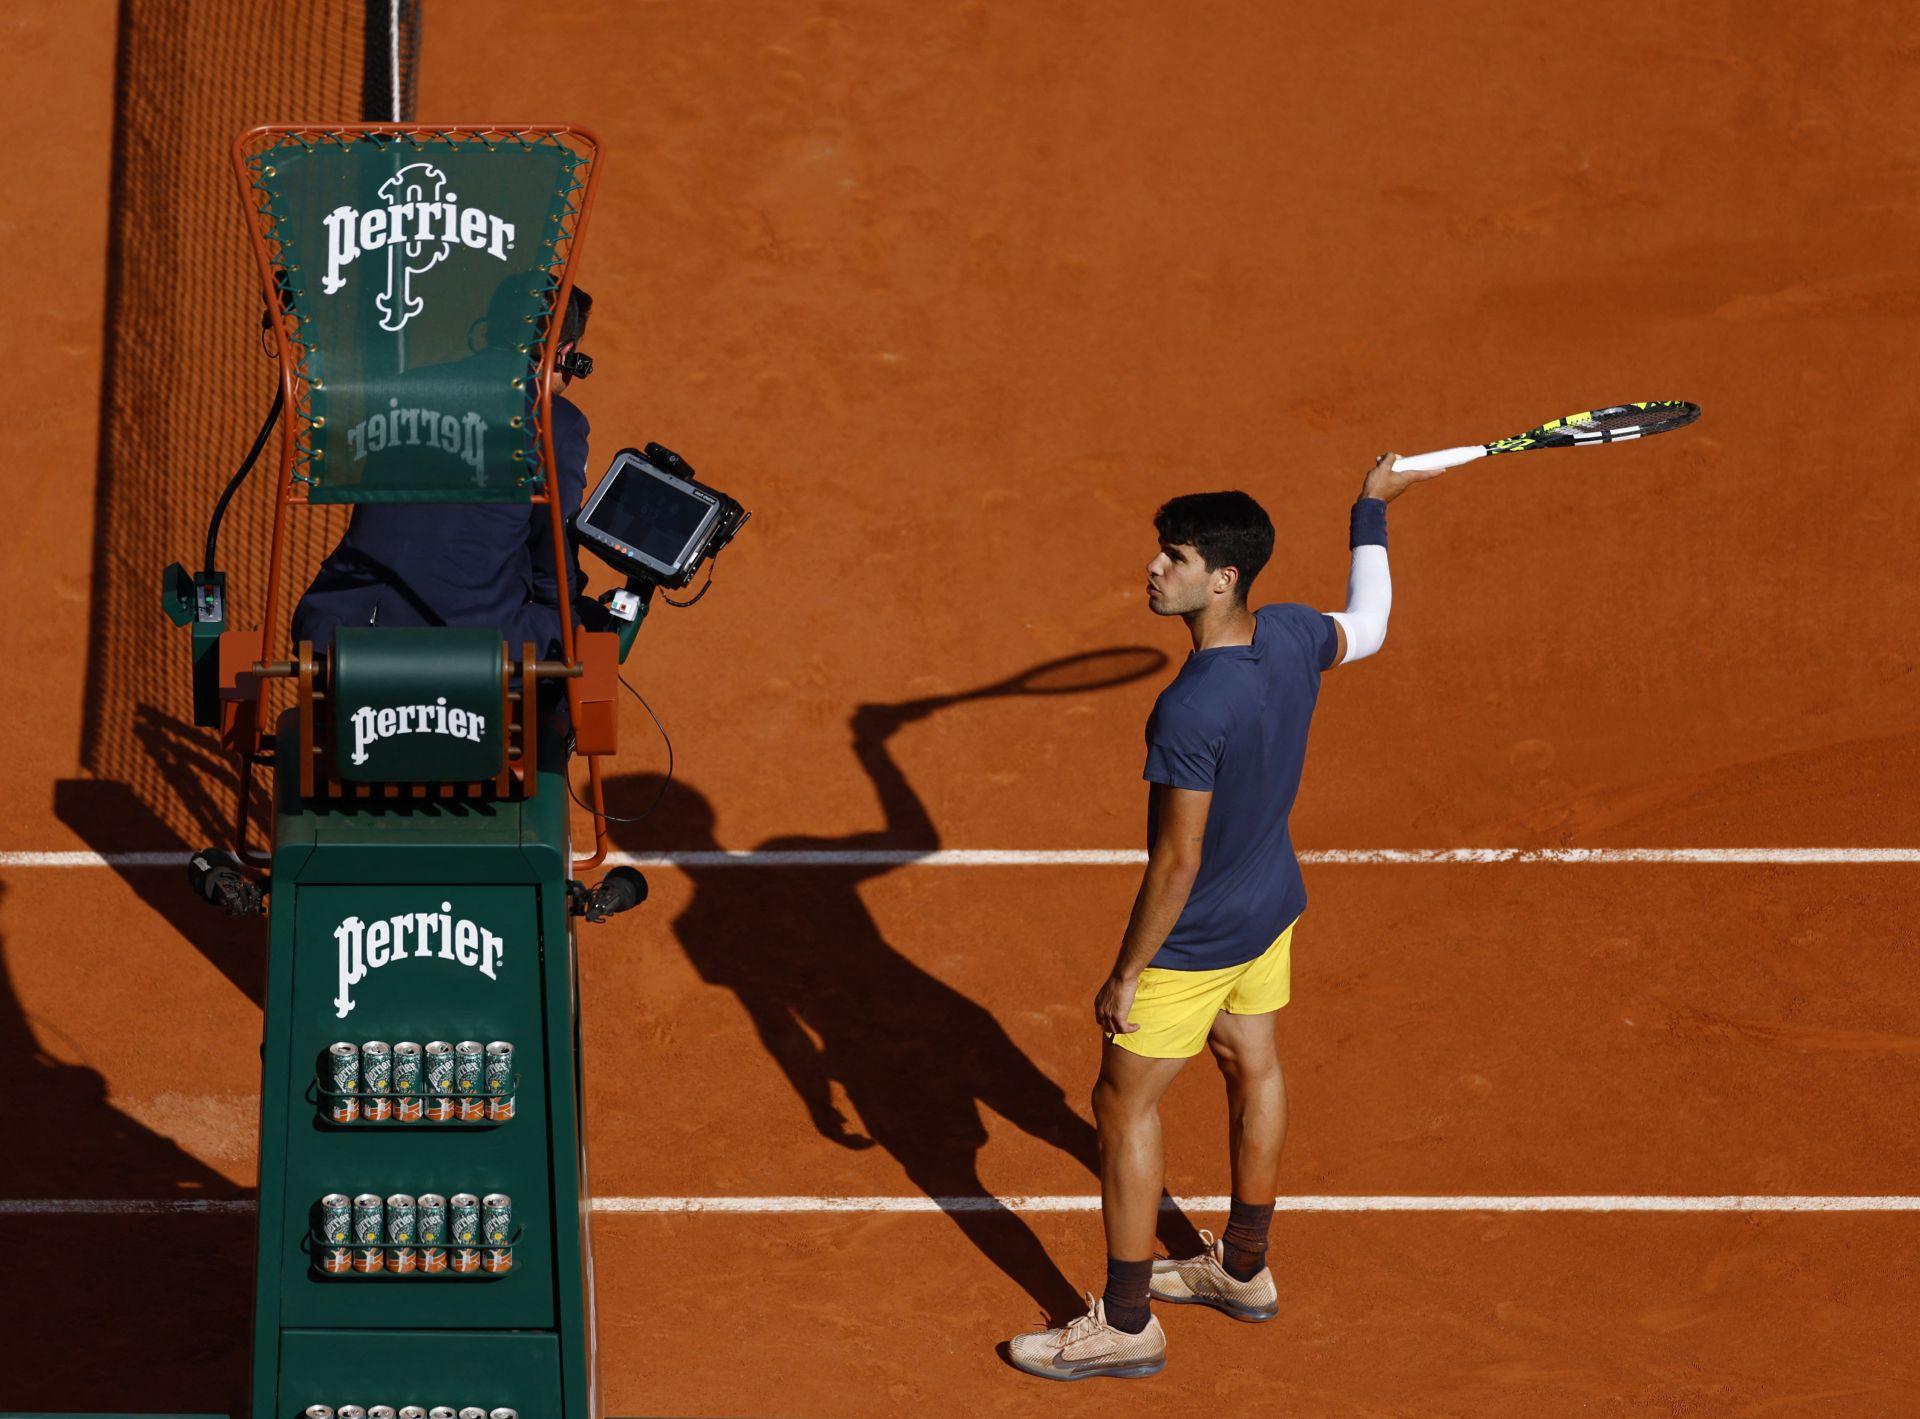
1616, 424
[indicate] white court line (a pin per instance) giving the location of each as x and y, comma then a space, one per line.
1130, 857
1072, 1202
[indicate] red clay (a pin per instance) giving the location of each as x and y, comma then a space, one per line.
952, 295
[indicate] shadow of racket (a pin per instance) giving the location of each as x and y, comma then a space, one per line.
1080, 674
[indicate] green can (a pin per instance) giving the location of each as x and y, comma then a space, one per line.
343, 1079
403, 1217
376, 1080
463, 1220
467, 1066
496, 1220
439, 1058
369, 1216
408, 1106
336, 1219
433, 1232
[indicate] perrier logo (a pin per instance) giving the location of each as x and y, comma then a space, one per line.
418, 228
367, 946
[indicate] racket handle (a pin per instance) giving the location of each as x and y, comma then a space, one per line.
1445, 458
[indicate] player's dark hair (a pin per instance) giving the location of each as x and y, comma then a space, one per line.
1227, 529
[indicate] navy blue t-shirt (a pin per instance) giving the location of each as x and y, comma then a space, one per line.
1234, 723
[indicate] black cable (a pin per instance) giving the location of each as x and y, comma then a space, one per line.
233, 483
665, 783
705, 586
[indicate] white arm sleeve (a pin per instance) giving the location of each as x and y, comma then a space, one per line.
1369, 599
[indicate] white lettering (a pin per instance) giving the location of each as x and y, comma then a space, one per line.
377, 936
417, 230
341, 249
365, 947
353, 966
362, 733
466, 942
457, 723
386, 723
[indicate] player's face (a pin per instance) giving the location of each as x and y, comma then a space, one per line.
1178, 581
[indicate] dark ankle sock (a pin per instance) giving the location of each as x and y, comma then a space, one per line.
1245, 1240
1128, 1300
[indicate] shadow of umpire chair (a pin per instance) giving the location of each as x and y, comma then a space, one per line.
917, 1059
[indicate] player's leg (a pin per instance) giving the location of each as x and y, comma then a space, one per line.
1126, 1107
1231, 1274
1243, 1046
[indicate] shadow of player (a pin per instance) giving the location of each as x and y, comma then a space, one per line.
915, 1057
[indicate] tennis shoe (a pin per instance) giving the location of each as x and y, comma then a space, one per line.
1089, 1347
1204, 1280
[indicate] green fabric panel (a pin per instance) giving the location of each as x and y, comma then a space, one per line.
417, 705
420, 352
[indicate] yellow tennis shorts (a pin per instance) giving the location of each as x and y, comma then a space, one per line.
1175, 1009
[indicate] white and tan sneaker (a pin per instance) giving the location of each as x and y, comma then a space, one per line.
1089, 1347
1203, 1281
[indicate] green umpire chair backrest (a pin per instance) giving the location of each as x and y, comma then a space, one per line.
421, 271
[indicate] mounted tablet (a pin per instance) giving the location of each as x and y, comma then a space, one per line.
652, 520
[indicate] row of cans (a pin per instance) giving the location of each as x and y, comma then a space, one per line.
408, 1411
409, 1083
404, 1234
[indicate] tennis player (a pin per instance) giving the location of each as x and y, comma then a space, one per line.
1205, 960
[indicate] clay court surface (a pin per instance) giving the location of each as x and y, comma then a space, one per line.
952, 295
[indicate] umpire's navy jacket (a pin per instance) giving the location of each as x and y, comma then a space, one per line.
454, 564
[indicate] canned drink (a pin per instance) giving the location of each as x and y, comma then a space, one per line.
469, 1066
441, 1110
464, 1259
443, 1411
319, 1411
463, 1219
376, 1080
380, 1411
496, 1220
343, 1079
496, 1259
350, 1411
438, 1069
407, 1106
433, 1232
473, 1411
412, 1411
336, 1219
335, 1260
504, 1414
403, 1218
367, 1260
369, 1216
499, 1068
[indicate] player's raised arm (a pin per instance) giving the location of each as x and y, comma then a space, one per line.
1361, 629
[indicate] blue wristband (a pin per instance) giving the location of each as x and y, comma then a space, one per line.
1367, 524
